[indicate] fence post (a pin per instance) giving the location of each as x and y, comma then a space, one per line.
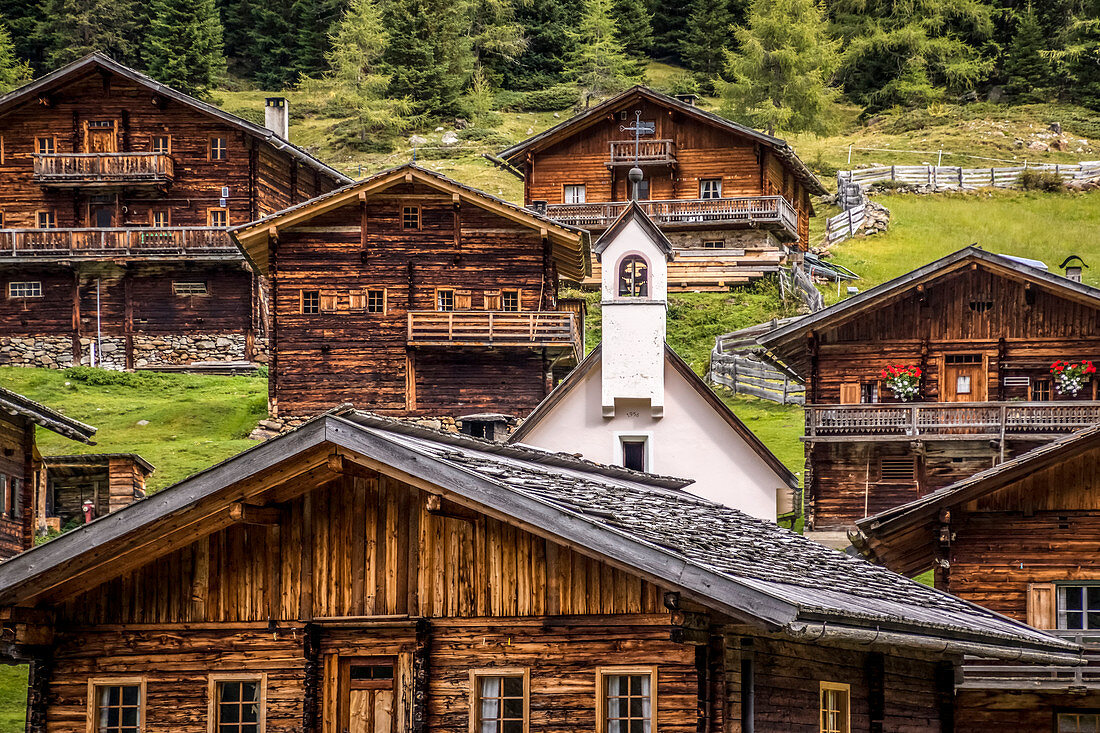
960, 176
932, 176
733, 375
851, 230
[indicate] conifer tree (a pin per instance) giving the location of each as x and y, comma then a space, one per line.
911, 53
1027, 71
598, 62
780, 76
183, 48
21, 18
669, 26
430, 55
13, 70
271, 43
71, 29
313, 21
544, 23
1077, 59
635, 24
497, 38
706, 38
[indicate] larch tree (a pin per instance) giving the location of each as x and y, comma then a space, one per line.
779, 77
183, 48
598, 62
429, 55
1026, 70
13, 70
71, 29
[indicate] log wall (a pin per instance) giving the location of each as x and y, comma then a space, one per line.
16, 462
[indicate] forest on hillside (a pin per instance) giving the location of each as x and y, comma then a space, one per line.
393, 66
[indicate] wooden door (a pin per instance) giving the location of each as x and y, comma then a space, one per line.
100, 137
964, 378
366, 695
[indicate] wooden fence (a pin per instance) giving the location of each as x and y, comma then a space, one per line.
735, 364
942, 176
845, 224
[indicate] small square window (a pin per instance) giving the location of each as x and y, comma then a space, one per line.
311, 301
710, 188
1041, 390
193, 287
868, 393
239, 706
714, 244
445, 300
509, 300
162, 144
47, 220
634, 453
218, 150
25, 289
835, 708
573, 193
159, 219
117, 708
46, 145
410, 217
376, 301
218, 218
500, 704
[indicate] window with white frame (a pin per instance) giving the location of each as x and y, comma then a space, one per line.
574, 193
25, 289
627, 700
1079, 607
710, 188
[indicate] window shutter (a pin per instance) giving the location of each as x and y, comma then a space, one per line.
492, 300
849, 393
328, 301
463, 300
1042, 608
357, 300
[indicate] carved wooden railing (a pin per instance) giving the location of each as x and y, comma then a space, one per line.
984, 675
752, 210
494, 328
649, 151
134, 241
103, 168
946, 418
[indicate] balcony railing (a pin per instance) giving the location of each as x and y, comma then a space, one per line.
744, 211
131, 241
550, 329
984, 675
650, 152
960, 419
103, 169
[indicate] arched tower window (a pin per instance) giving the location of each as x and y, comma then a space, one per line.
633, 277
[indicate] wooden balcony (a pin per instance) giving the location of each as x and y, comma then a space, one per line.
649, 152
948, 421
34, 245
555, 330
985, 675
103, 170
772, 212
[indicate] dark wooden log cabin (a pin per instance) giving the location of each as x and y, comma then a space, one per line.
1020, 539
115, 196
362, 575
734, 202
410, 294
105, 481
22, 478
985, 330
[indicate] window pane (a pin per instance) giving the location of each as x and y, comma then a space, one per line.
512, 726
1073, 598
513, 686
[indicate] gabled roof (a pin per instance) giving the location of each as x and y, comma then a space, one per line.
570, 244
591, 116
95, 459
788, 343
576, 377
16, 404
85, 65
903, 535
746, 568
634, 212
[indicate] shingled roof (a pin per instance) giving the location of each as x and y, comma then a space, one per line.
14, 403
747, 568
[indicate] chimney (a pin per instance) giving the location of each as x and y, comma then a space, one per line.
688, 98
277, 116
1073, 266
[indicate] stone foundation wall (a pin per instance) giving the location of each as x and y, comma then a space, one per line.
56, 352
731, 239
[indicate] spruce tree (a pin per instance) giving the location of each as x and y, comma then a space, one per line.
598, 62
1077, 59
21, 18
911, 53
71, 29
183, 48
1027, 71
706, 38
271, 43
669, 26
545, 23
13, 70
780, 76
430, 55
313, 21
635, 24
497, 39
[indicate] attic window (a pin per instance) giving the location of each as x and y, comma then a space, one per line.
410, 217
196, 287
898, 470
981, 306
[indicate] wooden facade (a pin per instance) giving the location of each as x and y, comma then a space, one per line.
106, 481
733, 201
350, 592
1019, 540
408, 294
115, 196
984, 331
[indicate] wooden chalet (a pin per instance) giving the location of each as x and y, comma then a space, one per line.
22, 474
412, 295
984, 329
115, 196
82, 487
734, 202
364, 575
1019, 539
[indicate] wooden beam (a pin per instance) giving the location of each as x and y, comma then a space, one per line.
254, 514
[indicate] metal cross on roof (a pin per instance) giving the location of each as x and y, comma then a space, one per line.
637, 129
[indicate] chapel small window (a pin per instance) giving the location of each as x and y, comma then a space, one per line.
633, 277
25, 289
444, 300
835, 708
710, 188
189, 287
311, 302
218, 149
118, 708
410, 217
376, 301
634, 453
509, 300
